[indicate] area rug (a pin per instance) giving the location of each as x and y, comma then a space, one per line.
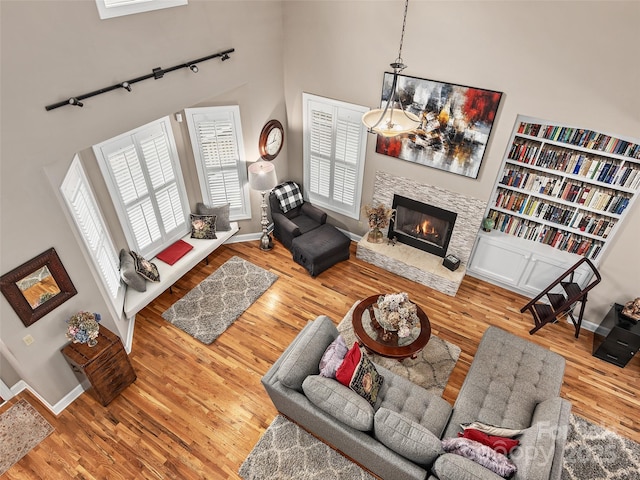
21, 429
430, 369
212, 306
287, 451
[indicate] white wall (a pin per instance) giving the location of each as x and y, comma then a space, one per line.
52, 50
570, 62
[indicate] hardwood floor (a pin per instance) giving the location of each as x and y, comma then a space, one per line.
196, 410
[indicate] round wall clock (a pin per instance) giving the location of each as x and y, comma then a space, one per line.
271, 140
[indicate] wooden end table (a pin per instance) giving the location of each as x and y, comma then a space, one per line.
377, 340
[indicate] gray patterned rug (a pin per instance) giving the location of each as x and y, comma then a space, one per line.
286, 451
21, 429
430, 369
208, 309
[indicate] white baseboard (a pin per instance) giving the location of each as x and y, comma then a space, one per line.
56, 409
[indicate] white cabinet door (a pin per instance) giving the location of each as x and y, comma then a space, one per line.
497, 260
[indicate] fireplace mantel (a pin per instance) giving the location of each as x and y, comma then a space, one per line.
412, 263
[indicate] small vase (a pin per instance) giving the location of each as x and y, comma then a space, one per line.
375, 235
92, 342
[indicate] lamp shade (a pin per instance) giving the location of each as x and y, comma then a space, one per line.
262, 176
394, 122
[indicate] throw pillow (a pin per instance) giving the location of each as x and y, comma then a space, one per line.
332, 358
365, 379
174, 252
492, 429
145, 268
481, 454
289, 196
220, 211
203, 227
502, 445
128, 272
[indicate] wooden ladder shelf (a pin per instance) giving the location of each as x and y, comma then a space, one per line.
561, 304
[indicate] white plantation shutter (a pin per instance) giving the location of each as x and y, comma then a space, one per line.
216, 139
118, 8
84, 210
142, 172
334, 153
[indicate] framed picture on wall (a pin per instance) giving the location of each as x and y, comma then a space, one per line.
455, 124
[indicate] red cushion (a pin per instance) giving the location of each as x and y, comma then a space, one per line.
348, 365
502, 445
174, 252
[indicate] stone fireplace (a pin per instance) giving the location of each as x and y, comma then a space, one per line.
421, 225
416, 264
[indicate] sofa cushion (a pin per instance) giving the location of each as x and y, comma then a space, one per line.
406, 437
480, 454
358, 373
452, 466
339, 401
534, 456
414, 402
332, 358
303, 358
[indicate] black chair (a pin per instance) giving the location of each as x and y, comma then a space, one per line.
303, 229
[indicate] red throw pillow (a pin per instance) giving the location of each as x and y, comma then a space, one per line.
348, 365
502, 445
174, 252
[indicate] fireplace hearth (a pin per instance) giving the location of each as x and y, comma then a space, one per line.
421, 225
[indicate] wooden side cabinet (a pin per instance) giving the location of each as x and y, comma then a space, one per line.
617, 339
106, 365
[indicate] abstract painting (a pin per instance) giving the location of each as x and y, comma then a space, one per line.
455, 124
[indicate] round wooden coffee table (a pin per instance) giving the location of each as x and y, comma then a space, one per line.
377, 340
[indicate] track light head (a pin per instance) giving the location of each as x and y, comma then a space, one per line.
76, 102
194, 68
126, 86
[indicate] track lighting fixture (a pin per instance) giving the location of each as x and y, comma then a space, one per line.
157, 73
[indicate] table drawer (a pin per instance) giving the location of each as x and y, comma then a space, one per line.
611, 352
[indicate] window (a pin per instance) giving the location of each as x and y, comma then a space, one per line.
84, 210
142, 172
118, 8
334, 153
216, 139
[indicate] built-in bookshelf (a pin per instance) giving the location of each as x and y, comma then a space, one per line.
565, 187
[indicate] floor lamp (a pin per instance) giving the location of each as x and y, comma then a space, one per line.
262, 177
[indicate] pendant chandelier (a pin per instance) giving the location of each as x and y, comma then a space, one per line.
393, 120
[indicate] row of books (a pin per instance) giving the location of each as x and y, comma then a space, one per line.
593, 224
587, 195
596, 168
582, 138
552, 236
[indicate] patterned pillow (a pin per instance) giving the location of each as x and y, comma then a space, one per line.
221, 212
492, 429
359, 374
145, 268
203, 226
481, 454
502, 445
289, 195
333, 357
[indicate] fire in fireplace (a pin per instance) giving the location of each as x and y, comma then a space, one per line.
421, 225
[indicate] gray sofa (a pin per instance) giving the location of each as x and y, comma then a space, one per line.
511, 383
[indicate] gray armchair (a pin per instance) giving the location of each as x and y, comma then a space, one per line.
303, 229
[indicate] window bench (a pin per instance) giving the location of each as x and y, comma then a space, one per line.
135, 301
